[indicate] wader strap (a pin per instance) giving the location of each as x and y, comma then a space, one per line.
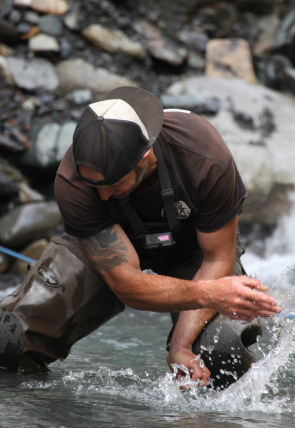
167, 196
166, 189
133, 217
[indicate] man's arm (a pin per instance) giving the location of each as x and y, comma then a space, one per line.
114, 257
219, 258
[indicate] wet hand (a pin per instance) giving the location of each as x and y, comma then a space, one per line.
241, 297
184, 363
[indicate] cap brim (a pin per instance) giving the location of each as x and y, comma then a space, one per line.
147, 106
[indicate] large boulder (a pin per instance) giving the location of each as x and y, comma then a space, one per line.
258, 125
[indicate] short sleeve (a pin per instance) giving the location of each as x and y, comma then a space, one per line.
83, 212
221, 198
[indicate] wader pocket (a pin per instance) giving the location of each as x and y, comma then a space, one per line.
61, 300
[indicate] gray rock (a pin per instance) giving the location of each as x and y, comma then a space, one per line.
196, 104
159, 46
271, 70
289, 80
43, 43
8, 280
113, 40
71, 20
196, 61
263, 150
49, 144
45, 145
80, 96
285, 35
27, 194
5, 72
65, 138
195, 40
51, 25
31, 17
32, 74
78, 74
29, 222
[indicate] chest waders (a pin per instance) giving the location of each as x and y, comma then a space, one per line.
63, 299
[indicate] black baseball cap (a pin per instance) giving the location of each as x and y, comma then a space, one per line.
113, 134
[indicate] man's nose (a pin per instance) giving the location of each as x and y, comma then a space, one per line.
105, 194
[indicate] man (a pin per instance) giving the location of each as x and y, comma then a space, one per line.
141, 189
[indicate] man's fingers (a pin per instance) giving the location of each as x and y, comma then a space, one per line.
203, 376
253, 283
261, 301
255, 295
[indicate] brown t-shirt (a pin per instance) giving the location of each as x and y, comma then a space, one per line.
202, 172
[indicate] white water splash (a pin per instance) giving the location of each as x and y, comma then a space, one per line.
276, 268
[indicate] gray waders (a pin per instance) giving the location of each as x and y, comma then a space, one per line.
61, 300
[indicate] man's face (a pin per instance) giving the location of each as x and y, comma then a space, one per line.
122, 188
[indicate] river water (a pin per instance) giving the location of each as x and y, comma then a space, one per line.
118, 375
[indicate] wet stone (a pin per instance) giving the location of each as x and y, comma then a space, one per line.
160, 47
43, 43
32, 17
29, 222
289, 80
199, 105
8, 187
81, 96
8, 280
33, 251
51, 25
113, 40
33, 74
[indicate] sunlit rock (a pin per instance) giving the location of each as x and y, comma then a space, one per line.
30, 74
79, 74
257, 124
43, 43
113, 40
229, 58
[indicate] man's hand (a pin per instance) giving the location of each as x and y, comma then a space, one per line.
240, 297
193, 363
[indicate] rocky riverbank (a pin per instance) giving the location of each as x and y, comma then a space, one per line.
230, 61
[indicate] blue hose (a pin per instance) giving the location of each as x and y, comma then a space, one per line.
286, 316
16, 255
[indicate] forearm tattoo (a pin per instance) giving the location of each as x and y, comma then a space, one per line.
106, 249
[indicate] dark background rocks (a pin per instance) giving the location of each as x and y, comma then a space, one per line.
52, 65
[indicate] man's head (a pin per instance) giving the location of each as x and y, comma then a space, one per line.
113, 135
